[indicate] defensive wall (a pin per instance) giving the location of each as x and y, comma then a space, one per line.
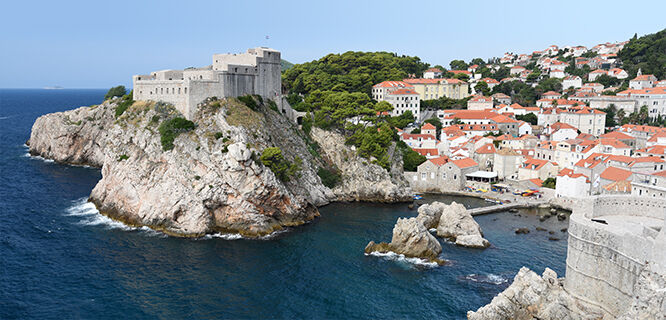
257, 71
605, 257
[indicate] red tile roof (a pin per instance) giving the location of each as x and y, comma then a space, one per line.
615, 174
427, 151
403, 92
392, 84
465, 163
440, 160
487, 148
428, 126
537, 182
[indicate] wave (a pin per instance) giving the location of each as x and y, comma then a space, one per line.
3, 118
225, 236
90, 216
392, 256
28, 155
238, 236
488, 278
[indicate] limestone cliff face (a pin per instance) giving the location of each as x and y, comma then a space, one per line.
362, 180
210, 181
533, 297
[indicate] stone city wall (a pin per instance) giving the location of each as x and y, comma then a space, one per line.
604, 261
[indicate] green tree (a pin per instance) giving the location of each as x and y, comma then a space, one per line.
117, 91
647, 53
482, 87
530, 118
478, 61
458, 65
283, 169
435, 122
607, 81
620, 116
549, 183
461, 76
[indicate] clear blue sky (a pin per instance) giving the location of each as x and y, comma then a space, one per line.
98, 44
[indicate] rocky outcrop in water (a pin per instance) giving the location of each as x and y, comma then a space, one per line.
411, 239
457, 224
211, 181
361, 179
533, 297
429, 214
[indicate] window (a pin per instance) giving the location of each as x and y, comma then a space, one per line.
432, 175
423, 176
443, 175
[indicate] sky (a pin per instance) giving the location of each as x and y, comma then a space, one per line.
99, 44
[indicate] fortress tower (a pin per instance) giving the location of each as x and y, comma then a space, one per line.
256, 71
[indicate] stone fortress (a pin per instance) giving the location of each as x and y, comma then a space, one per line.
617, 245
256, 71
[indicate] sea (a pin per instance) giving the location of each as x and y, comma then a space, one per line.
61, 259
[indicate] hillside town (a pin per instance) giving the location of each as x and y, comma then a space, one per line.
589, 135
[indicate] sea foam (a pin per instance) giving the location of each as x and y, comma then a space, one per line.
487, 278
392, 256
90, 216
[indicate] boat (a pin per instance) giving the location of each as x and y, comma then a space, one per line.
417, 197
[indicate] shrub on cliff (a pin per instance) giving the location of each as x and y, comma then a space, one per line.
328, 177
124, 104
171, 128
118, 91
410, 158
283, 169
249, 101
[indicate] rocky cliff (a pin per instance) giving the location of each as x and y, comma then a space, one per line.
534, 297
361, 179
211, 181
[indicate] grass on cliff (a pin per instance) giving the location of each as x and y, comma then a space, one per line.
240, 115
170, 129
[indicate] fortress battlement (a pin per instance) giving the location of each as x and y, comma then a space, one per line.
256, 71
613, 241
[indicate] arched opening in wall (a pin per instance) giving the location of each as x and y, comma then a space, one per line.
200, 77
178, 90
185, 90
299, 120
162, 90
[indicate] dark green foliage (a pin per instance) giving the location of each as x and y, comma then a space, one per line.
171, 128
350, 71
520, 92
249, 101
458, 65
435, 122
373, 141
273, 105
328, 177
530, 118
197, 177
410, 158
402, 120
123, 157
125, 103
482, 88
647, 53
219, 135
607, 80
549, 183
610, 115
445, 103
283, 169
333, 108
118, 91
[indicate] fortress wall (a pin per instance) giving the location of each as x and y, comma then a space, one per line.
173, 92
237, 84
604, 260
200, 90
625, 205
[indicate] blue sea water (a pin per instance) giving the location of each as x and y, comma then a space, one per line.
60, 259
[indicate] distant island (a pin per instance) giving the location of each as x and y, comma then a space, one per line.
53, 87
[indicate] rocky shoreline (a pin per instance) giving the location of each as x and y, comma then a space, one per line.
212, 180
